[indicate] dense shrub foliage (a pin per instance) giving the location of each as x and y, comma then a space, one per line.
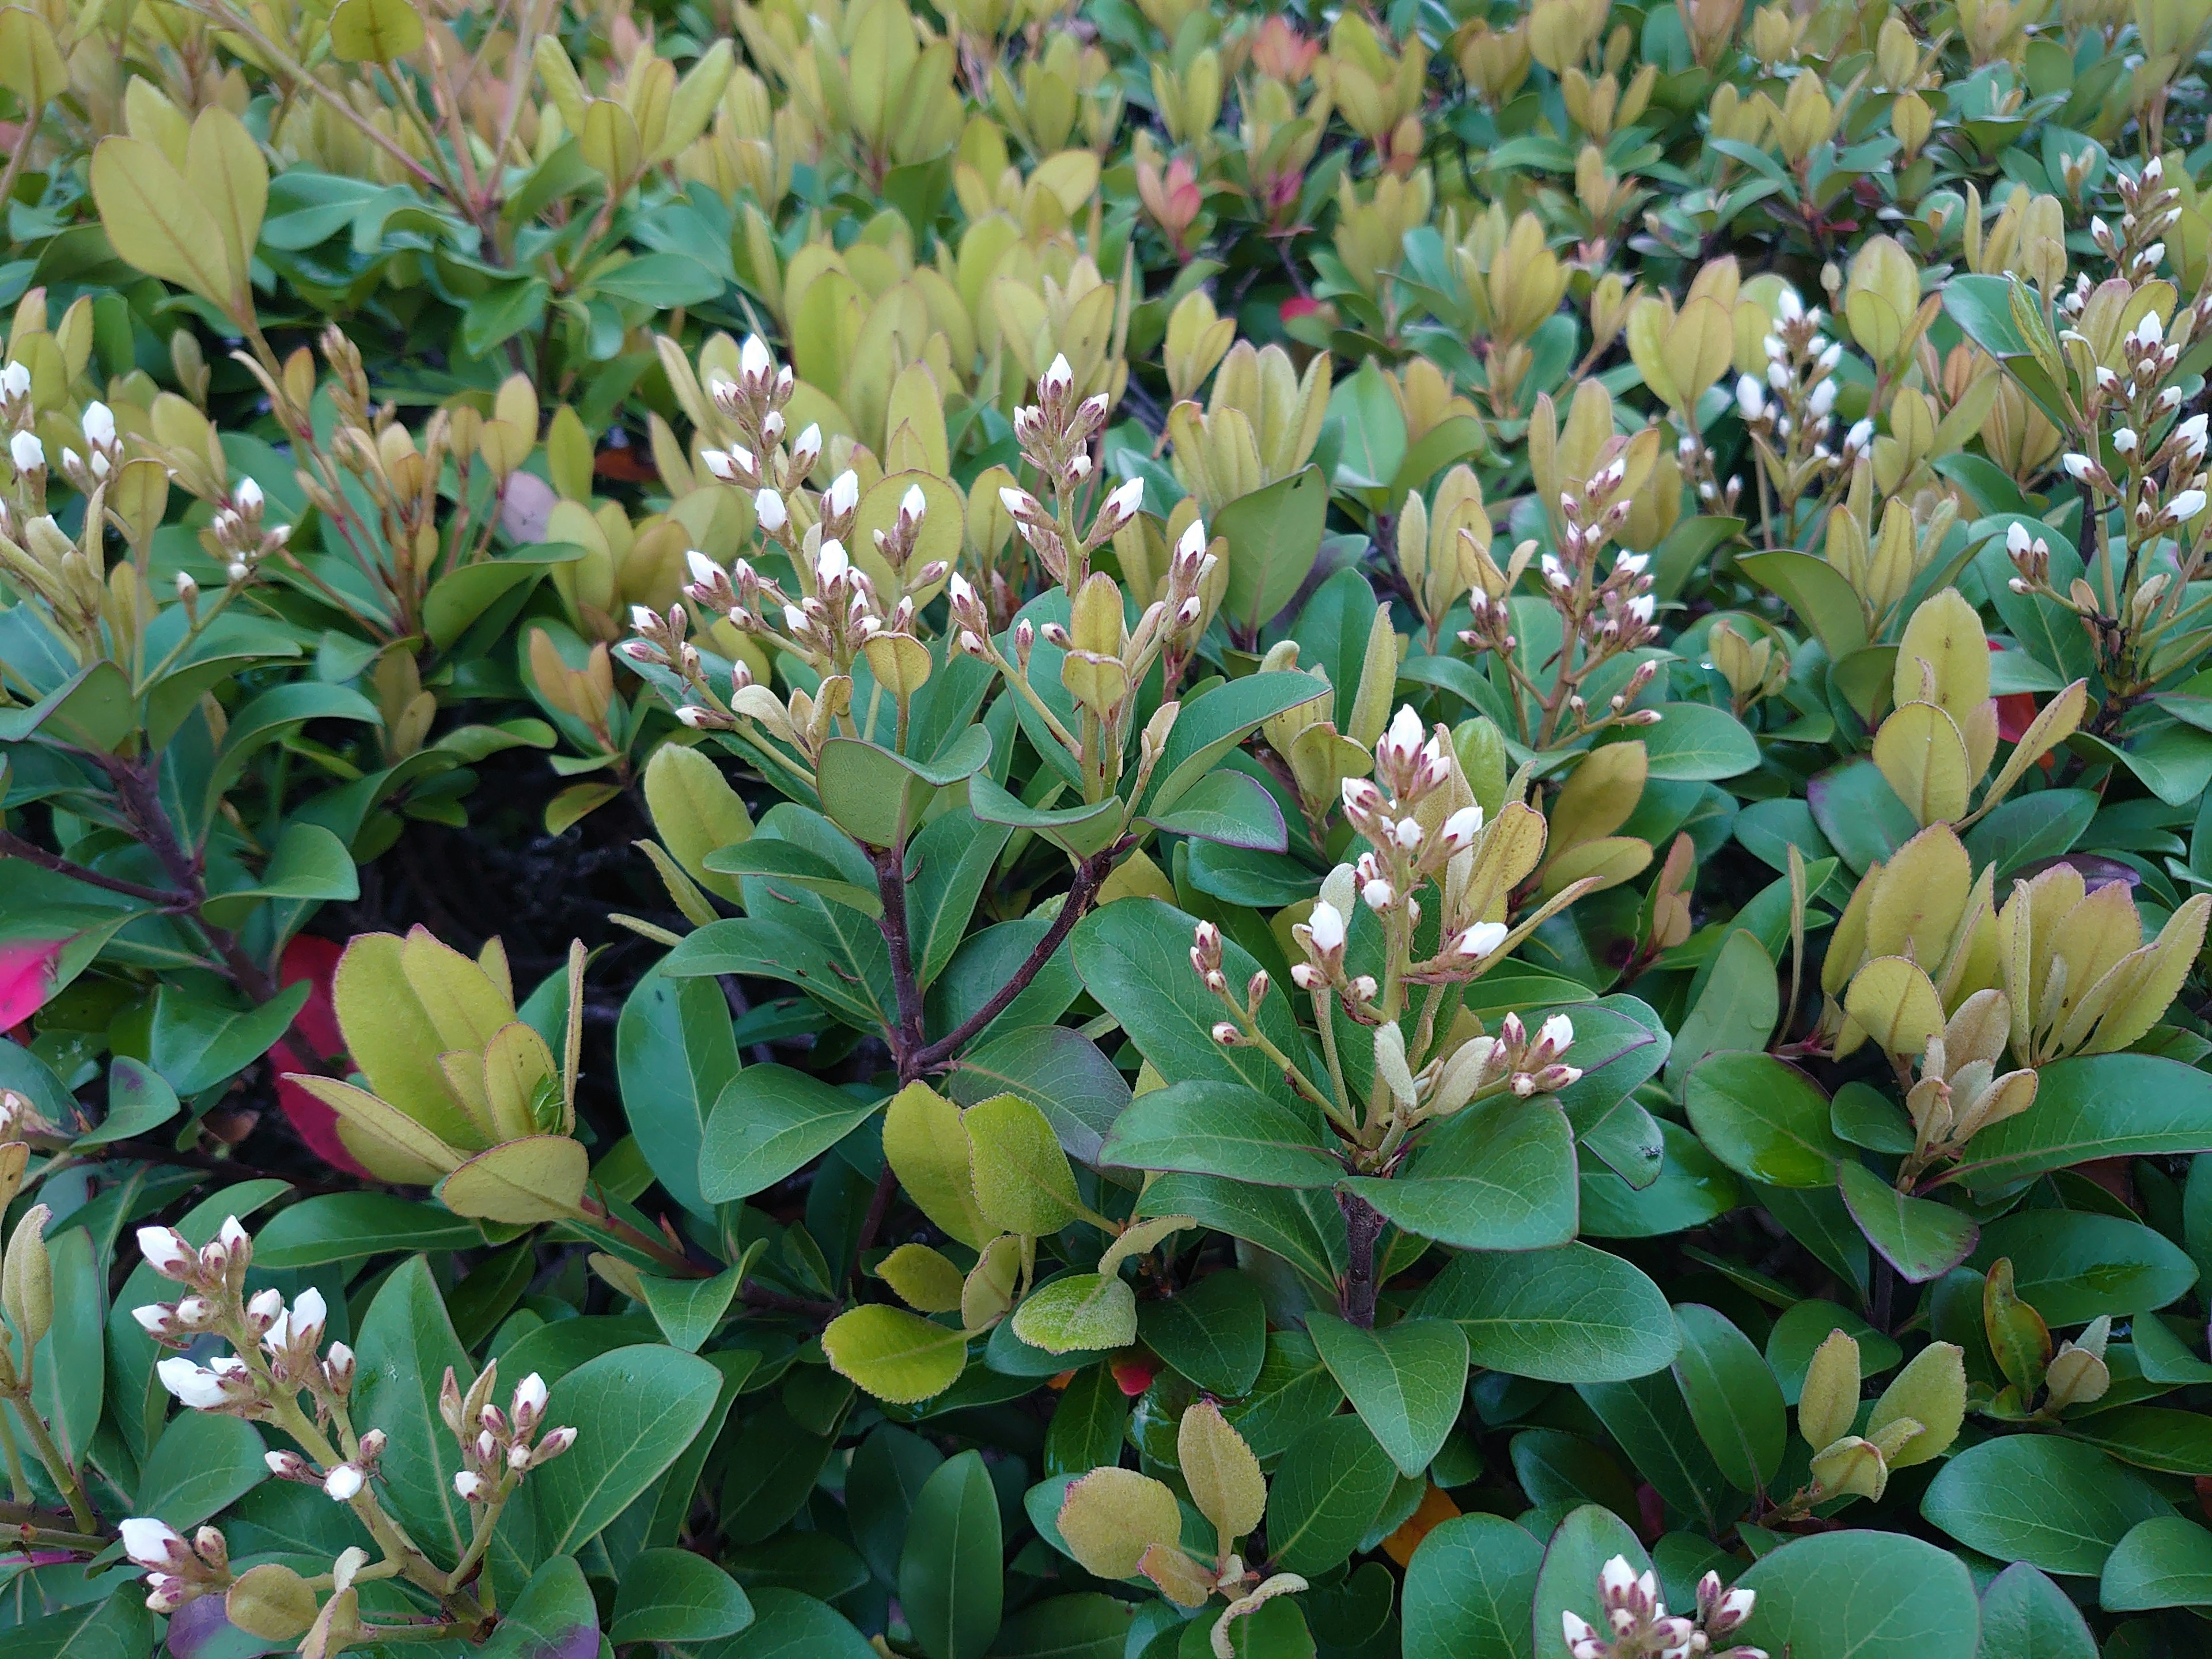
1151, 832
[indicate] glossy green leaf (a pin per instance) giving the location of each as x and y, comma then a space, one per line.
951, 1577
1861, 1595
2057, 1504
1404, 1380
1571, 1314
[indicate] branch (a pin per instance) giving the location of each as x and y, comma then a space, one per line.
15, 847
1090, 876
908, 1041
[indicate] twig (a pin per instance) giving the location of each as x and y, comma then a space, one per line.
15, 847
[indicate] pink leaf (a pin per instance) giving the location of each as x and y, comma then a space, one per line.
28, 969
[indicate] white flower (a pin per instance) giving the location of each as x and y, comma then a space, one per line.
194, 1385
1462, 827
1406, 732
1736, 1605
754, 360
1327, 926
27, 452
1361, 798
1860, 436
1778, 376
830, 563
470, 1486
1058, 378
1482, 940
2187, 505
2149, 331
806, 448
1016, 501
529, 1396
247, 496
1408, 833
1122, 505
99, 424
844, 493
1554, 572
1378, 894
166, 1251
1582, 1636
153, 1318
767, 507
149, 1542
343, 1484
644, 618
1193, 542
1787, 306
1642, 606
794, 619
14, 380
913, 504
2017, 541
1558, 1031
2077, 466
1824, 397
704, 571
308, 1316
2190, 436
2125, 441
1634, 563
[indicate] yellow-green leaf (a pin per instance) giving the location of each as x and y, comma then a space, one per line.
1022, 1180
1922, 755
374, 31
1895, 1001
927, 1147
893, 1354
1223, 1475
695, 812
537, 1178
1112, 1516
924, 1280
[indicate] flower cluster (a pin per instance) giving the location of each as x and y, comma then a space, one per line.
176, 1572
498, 1447
1791, 411
1636, 1624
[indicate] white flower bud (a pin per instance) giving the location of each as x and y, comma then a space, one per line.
1327, 926
844, 493
343, 1484
27, 452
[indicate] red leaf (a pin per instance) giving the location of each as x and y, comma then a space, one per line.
314, 1036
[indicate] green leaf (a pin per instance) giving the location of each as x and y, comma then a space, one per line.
1085, 1626
1373, 423
1765, 1118
405, 1345
1571, 1315
1732, 1396
522, 1181
2057, 1504
1652, 1422
201, 1466
1223, 1129
878, 797
886, 1476
502, 311
117, 1627
2026, 1616
2072, 1265
675, 1595
196, 1045
137, 1100
347, 1226
459, 598
1327, 1492
2150, 1437
1404, 1380
1232, 809
1468, 1589
950, 861
789, 1625
553, 1618
1080, 830
675, 1052
2164, 1562
374, 31
1818, 592
1134, 957
1214, 722
1737, 1010
1578, 1549
68, 1377
1921, 1239
636, 1410
1861, 1595
1499, 1175
660, 281
689, 1311
951, 1577
1695, 742
894, 1354
1804, 1326
791, 865
1215, 1331
770, 1122
1273, 536
2094, 1106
